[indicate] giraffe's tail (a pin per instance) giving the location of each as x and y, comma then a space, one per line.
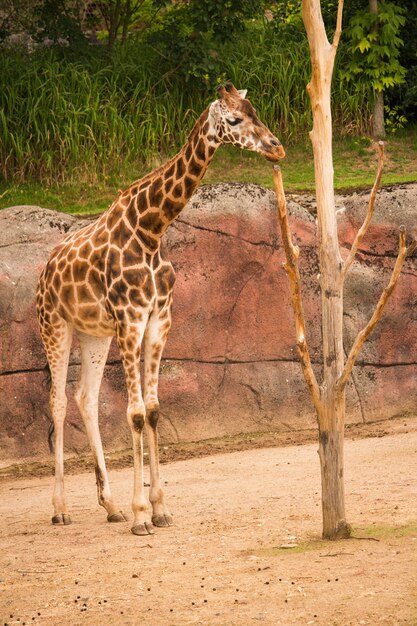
48, 378
51, 428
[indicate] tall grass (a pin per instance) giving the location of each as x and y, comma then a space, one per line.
277, 76
63, 120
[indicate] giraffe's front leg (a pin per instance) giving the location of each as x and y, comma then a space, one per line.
161, 515
155, 338
130, 339
142, 524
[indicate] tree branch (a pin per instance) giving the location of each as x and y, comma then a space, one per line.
338, 31
403, 252
316, 32
371, 204
291, 267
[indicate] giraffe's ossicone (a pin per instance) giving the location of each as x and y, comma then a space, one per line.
112, 279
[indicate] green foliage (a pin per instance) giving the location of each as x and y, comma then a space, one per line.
188, 54
54, 21
375, 45
394, 119
78, 113
284, 19
222, 18
405, 95
63, 119
190, 36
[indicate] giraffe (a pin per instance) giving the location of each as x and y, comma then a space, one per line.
111, 278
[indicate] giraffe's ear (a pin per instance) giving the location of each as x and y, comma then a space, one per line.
242, 93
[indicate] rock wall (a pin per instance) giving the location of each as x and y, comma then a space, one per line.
230, 364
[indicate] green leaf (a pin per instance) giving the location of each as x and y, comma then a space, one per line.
375, 46
363, 45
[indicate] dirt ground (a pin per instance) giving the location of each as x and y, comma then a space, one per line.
227, 560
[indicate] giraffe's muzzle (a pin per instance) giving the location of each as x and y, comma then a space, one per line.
274, 151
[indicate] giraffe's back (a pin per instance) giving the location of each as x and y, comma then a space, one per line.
98, 277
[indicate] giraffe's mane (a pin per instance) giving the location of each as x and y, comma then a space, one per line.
167, 164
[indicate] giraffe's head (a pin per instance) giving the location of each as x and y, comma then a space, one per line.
235, 121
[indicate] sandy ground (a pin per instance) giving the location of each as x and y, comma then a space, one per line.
223, 561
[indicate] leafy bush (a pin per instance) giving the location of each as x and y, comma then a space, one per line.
67, 116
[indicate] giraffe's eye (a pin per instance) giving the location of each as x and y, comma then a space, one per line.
234, 122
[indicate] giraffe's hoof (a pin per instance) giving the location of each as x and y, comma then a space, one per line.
117, 517
62, 519
162, 520
143, 529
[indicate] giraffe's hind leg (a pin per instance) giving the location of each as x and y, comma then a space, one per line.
94, 352
130, 339
56, 335
155, 338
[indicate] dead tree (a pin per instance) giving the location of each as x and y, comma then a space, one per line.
329, 397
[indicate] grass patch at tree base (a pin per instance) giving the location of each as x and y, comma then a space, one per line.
375, 532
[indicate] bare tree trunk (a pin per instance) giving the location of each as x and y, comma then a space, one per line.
331, 436
331, 415
378, 123
329, 398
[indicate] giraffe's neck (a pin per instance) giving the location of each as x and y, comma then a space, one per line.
153, 202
